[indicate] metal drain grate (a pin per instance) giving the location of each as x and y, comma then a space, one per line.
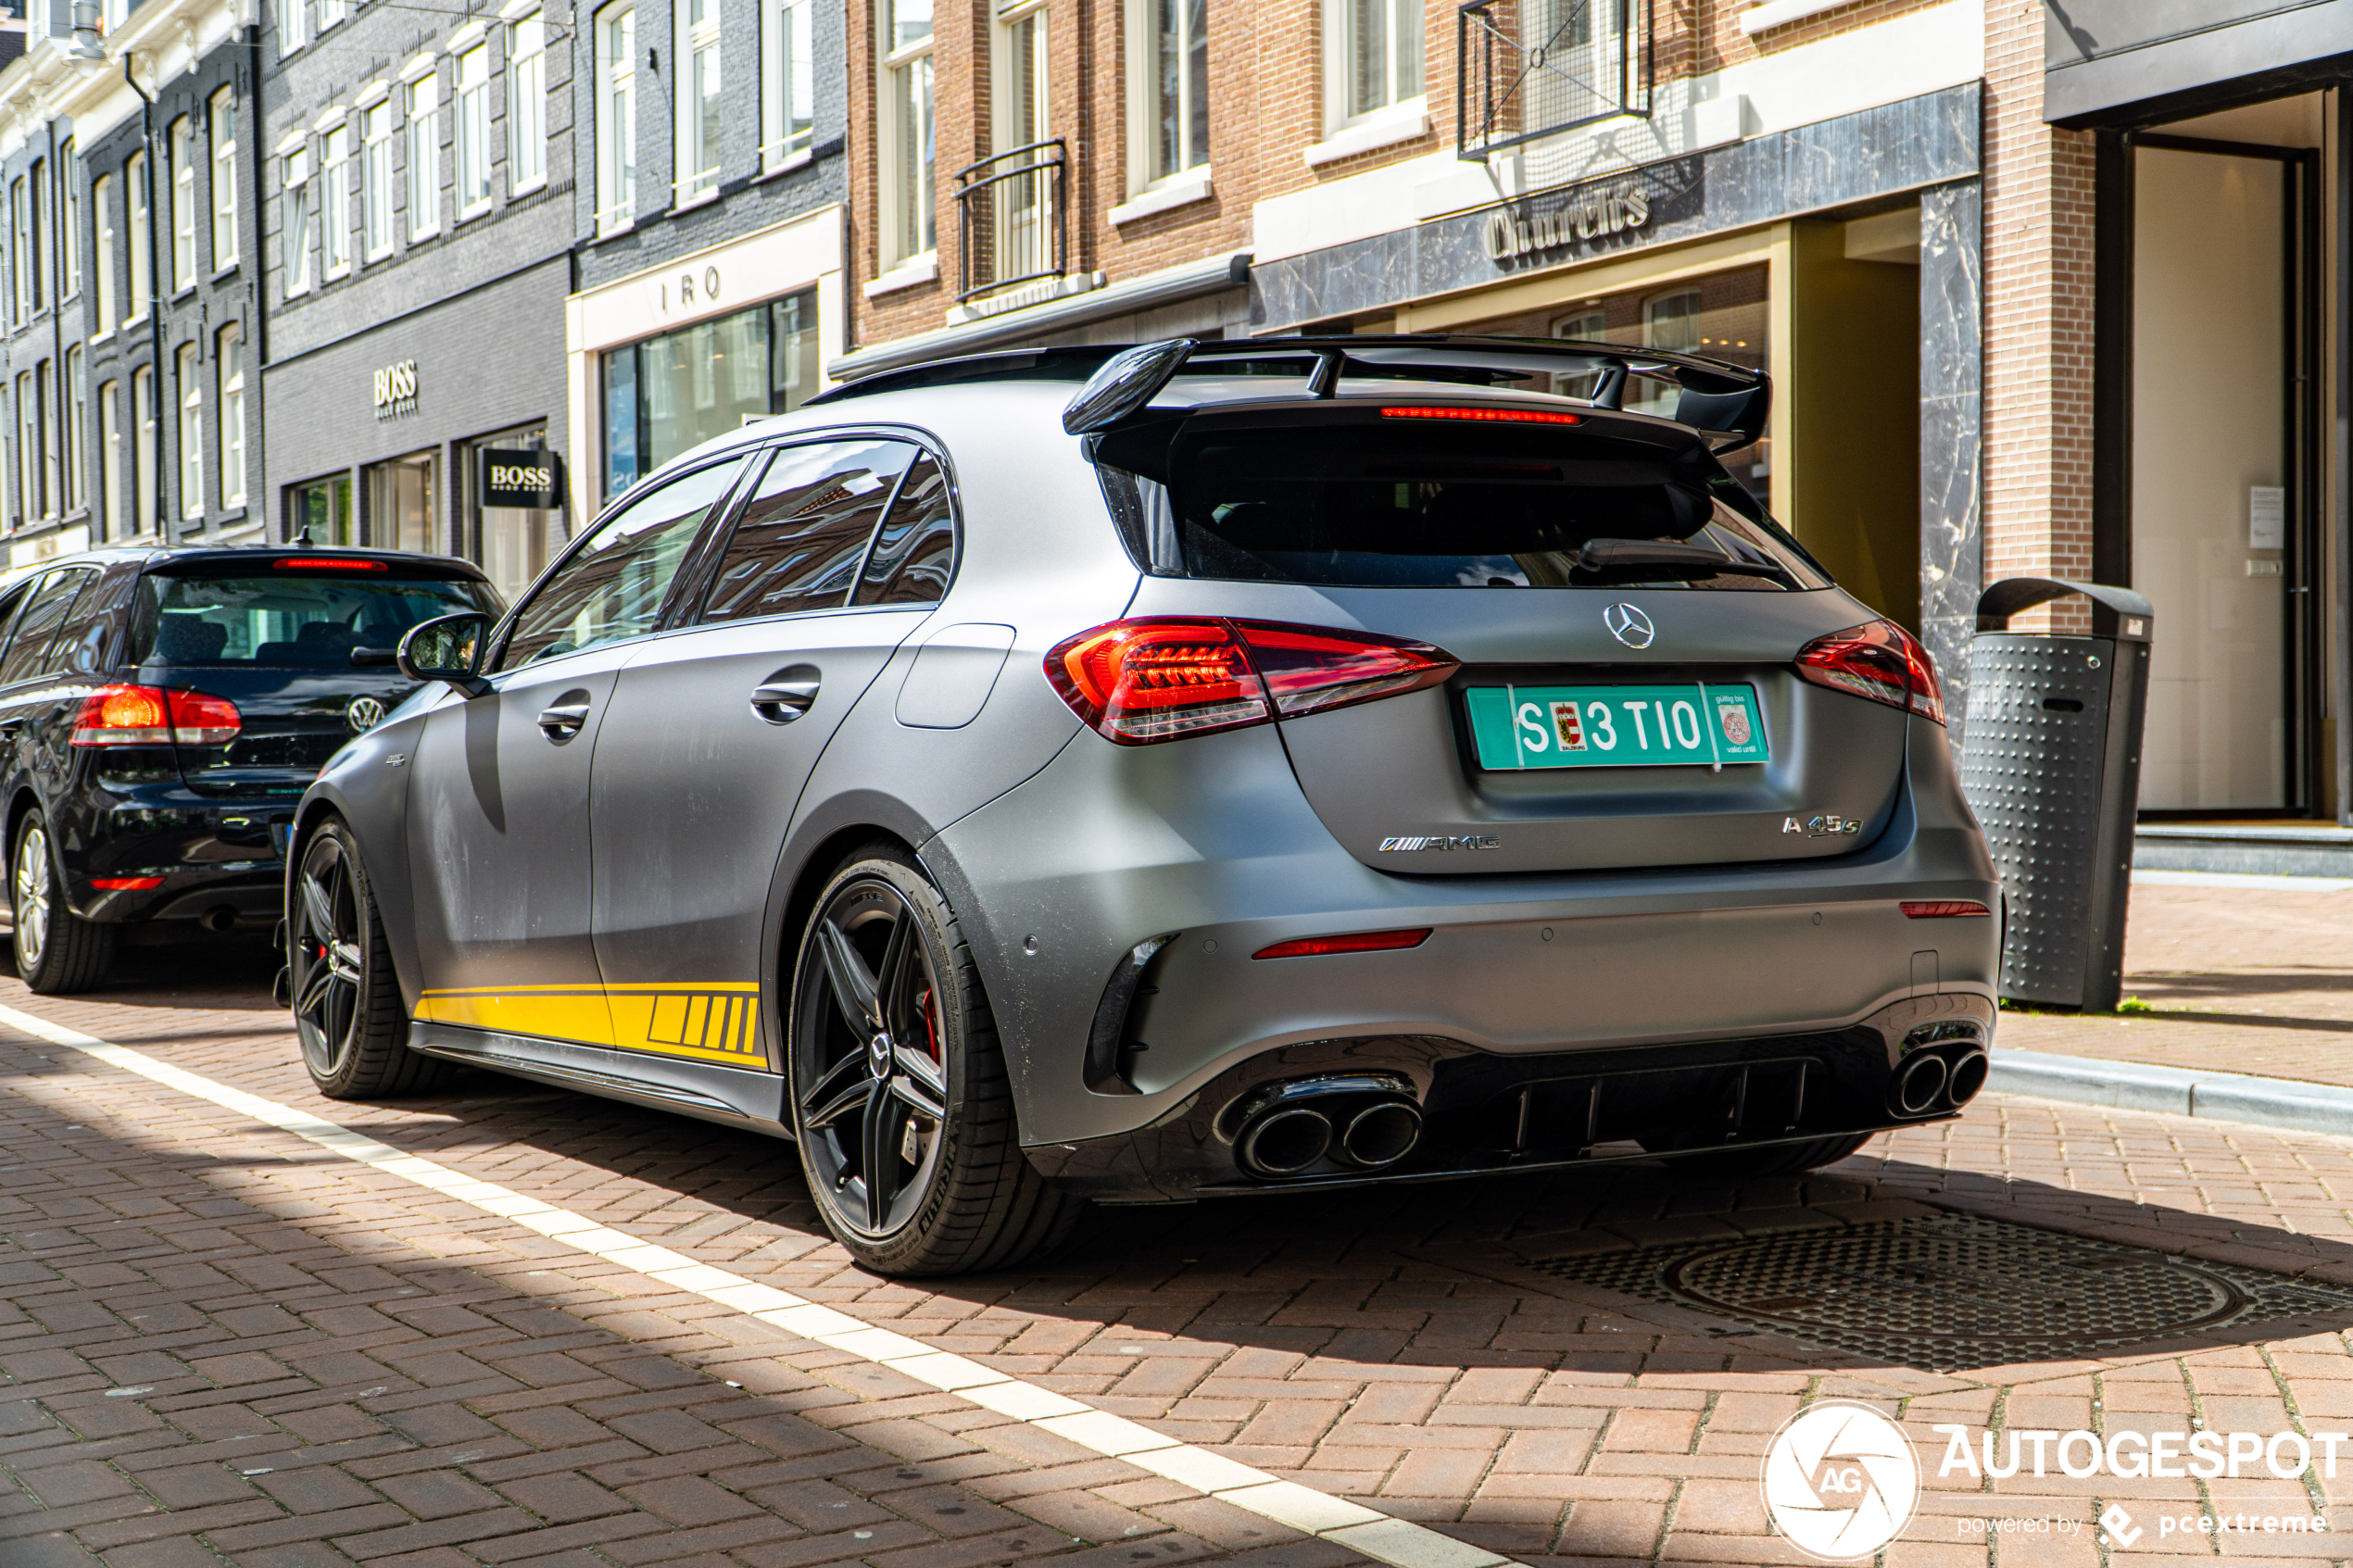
1957, 1290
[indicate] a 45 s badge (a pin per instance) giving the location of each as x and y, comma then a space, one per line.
1823, 824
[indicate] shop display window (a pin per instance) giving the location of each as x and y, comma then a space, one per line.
671, 392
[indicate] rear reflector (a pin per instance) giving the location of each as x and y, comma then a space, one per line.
1485, 415
1879, 660
125, 884
331, 563
152, 716
1159, 678
1355, 942
1943, 909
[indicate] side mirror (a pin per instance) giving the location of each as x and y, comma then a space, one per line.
450, 649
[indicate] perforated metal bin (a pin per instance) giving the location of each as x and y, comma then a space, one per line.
2051, 764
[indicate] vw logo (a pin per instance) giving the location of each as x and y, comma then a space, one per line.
1629, 625
364, 714
1841, 1480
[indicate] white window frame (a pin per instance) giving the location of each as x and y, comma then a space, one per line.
787, 83
906, 78
102, 297
181, 146
45, 381
70, 204
375, 180
229, 364
1340, 111
335, 203
325, 14
191, 431
695, 86
77, 413
135, 181
1190, 179
420, 140
146, 468
112, 523
226, 248
296, 219
294, 26
526, 104
28, 449
616, 119
472, 78
20, 253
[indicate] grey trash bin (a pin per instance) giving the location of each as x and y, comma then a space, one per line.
2051, 765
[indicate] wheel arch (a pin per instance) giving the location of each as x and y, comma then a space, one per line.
22, 804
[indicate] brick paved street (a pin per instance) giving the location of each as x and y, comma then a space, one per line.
225, 1343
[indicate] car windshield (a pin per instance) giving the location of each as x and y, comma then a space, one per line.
1385, 506
292, 619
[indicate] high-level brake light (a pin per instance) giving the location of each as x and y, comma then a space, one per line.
330, 563
1878, 660
1482, 416
1158, 678
153, 716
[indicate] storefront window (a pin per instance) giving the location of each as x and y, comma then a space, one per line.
400, 505
671, 392
513, 543
323, 506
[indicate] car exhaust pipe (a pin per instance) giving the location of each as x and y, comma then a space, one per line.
1284, 1142
1381, 1134
1968, 1076
220, 920
1919, 1082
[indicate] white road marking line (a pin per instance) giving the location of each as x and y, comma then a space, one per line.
1360, 1529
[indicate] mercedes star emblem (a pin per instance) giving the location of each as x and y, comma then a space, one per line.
364, 714
1629, 625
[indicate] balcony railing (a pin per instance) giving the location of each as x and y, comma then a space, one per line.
1015, 213
1535, 67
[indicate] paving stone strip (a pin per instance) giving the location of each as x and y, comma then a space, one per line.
1359, 1529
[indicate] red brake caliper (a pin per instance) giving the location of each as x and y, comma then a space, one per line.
931, 1025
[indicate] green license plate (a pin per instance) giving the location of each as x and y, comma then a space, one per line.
1616, 726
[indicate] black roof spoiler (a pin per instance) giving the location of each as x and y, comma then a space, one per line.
1715, 398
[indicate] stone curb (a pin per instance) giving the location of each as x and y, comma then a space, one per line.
2135, 1085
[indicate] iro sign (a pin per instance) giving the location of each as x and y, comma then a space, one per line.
520, 479
396, 390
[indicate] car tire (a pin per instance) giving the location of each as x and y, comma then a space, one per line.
348, 1010
899, 1092
58, 951
1773, 1160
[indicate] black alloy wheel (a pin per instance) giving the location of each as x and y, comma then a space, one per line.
899, 1095
58, 951
349, 1011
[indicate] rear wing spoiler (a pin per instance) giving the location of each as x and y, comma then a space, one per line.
1712, 397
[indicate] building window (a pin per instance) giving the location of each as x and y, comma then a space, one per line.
134, 189
400, 495
103, 264
424, 158
293, 25
77, 457
321, 512
788, 94
669, 393
21, 256
511, 542
191, 433
473, 132
44, 382
110, 459
1178, 94
229, 362
526, 105
616, 119
335, 202
908, 205
1380, 54
294, 228
69, 202
37, 210
183, 203
375, 179
224, 180
145, 434
325, 14
697, 95
28, 450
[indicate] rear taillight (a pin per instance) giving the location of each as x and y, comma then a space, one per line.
153, 716
125, 884
1944, 908
1354, 942
1879, 660
1164, 677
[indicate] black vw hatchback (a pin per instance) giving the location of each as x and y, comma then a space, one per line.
161, 712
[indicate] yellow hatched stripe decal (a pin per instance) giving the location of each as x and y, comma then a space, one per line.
713, 1022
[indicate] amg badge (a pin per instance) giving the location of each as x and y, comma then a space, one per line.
1403, 845
1825, 826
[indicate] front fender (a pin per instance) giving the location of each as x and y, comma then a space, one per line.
366, 783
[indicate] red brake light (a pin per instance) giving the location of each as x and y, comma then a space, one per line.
330, 563
1880, 661
1491, 416
125, 884
1162, 677
1355, 942
151, 716
1943, 909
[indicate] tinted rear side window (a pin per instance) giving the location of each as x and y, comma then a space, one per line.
800, 541
29, 649
1385, 506
915, 553
289, 619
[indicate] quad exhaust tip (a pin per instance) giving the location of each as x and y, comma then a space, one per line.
1919, 1083
1968, 1077
1307, 1126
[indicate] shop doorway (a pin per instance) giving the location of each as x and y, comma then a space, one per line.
402, 514
512, 545
2223, 516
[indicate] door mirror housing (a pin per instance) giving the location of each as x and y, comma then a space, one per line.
449, 649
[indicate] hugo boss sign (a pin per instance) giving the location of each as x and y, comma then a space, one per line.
519, 479
396, 390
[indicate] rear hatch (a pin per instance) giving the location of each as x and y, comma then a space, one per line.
273, 636
1627, 619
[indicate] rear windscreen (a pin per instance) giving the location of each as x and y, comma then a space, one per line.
288, 620
1386, 505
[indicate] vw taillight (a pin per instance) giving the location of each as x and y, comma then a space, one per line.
1159, 678
153, 716
1880, 661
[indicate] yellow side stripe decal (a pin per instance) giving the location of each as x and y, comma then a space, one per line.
718, 1022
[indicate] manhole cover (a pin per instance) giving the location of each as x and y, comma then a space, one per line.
1955, 1290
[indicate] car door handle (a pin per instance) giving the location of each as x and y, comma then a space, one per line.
781, 702
563, 721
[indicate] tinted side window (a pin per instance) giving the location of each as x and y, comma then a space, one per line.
612, 588
80, 647
48, 606
800, 540
915, 553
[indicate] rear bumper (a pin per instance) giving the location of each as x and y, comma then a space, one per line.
213, 856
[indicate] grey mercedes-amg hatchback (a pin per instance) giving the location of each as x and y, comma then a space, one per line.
1200, 770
